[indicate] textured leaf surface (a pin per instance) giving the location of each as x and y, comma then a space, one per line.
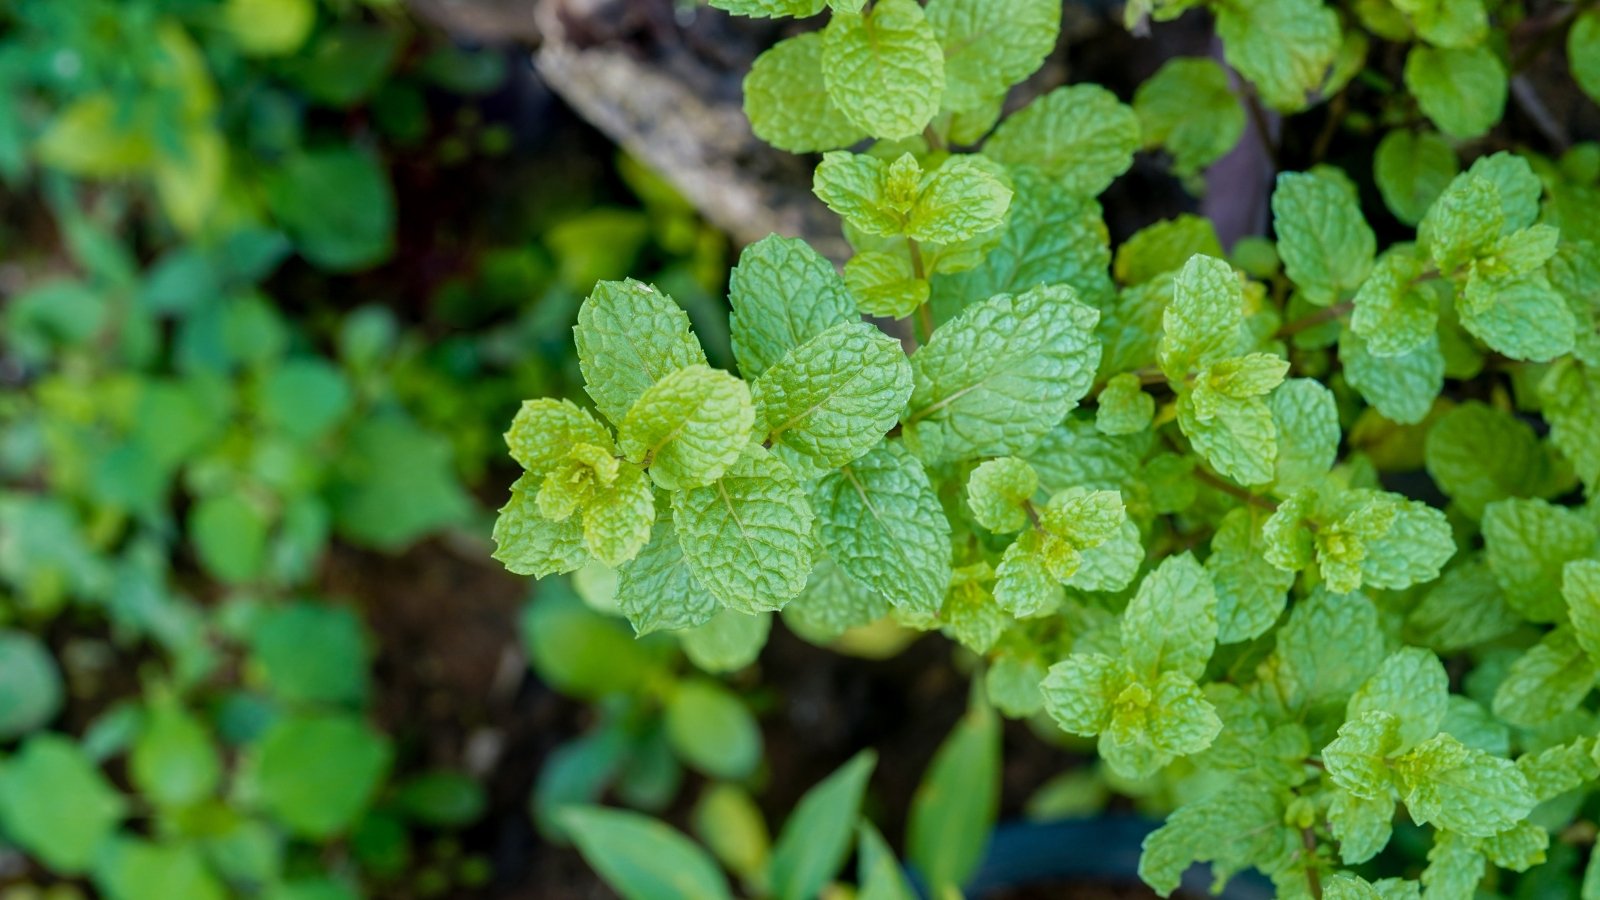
833, 397
990, 46
629, 336
1324, 241
783, 293
688, 427
993, 380
1081, 136
787, 102
1462, 90
882, 524
1283, 46
884, 70
747, 536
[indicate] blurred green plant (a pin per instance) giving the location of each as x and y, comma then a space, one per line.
194, 411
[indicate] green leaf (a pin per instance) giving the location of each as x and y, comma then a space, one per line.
1478, 454
832, 603
1462, 90
1189, 108
956, 803
1462, 609
173, 761
881, 522
1079, 691
394, 483
55, 805
131, 869
30, 684
442, 799
311, 653
527, 543
877, 871
1361, 826
316, 774
1328, 647
1251, 592
994, 379
833, 397
1466, 219
688, 427
747, 536
728, 820
885, 284
1080, 136
1170, 625
1325, 243
581, 652
1455, 867
1411, 169
1052, 236
1238, 439
1570, 393
959, 200
1358, 760
1401, 388
1528, 541
337, 206
1583, 52
1306, 420
988, 47
1251, 813
545, 430
1023, 583
1412, 686
1552, 677
787, 102
728, 642
998, 492
771, 9
783, 293
1412, 550
884, 70
1165, 246
1580, 585
1284, 47
629, 336
656, 590
1203, 323
230, 536
641, 858
1521, 317
711, 730
1123, 407
816, 840
1466, 791
1395, 312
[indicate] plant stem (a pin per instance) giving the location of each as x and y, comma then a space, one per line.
1313, 880
1213, 480
1321, 316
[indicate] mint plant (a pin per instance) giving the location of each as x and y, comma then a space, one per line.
1149, 488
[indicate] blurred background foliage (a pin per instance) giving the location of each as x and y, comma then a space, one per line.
276, 274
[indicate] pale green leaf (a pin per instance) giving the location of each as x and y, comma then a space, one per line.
1411, 685
1251, 592
1550, 678
1203, 323
994, 379
1528, 541
727, 642
629, 336
783, 293
1081, 136
1170, 625
747, 536
1189, 108
998, 492
990, 46
833, 397
882, 524
1123, 407
1466, 791
1324, 242
528, 543
884, 70
787, 102
1402, 388
1411, 169
1462, 90
1284, 47
656, 590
